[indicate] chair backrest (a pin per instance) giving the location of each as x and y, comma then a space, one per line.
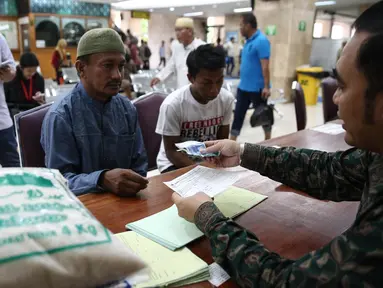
300, 106
28, 129
330, 110
148, 109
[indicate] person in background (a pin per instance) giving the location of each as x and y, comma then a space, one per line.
220, 46
8, 146
199, 112
339, 53
170, 46
92, 135
59, 59
26, 90
134, 52
229, 47
254, 86
162, 54
352, 259
145, 55
129, 68
181, 50
219, 43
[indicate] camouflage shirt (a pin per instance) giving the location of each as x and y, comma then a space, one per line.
353, 259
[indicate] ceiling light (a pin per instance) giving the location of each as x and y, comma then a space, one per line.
325, 3
165, 4
193, 14
243, 10
171, 9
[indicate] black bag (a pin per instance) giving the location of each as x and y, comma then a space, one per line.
263, 115
148, 53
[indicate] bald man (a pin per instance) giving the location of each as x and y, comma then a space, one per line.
180, 52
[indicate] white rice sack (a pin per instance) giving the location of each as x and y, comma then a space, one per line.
49, 239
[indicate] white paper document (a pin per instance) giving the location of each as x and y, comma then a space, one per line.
218, 276
202, 179
330, 128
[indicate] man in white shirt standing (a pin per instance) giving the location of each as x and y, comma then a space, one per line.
8, 146
230, 48
180, 52
200, 111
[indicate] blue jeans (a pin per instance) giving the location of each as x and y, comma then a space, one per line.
244, 99
230, 65
8, 148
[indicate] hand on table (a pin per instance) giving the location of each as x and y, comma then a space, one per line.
230, 153
187, 207
39, 98
123, 182
154, 82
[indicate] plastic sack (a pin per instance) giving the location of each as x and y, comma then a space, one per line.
49, 239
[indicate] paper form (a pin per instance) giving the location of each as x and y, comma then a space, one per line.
235, 201
172, 231
218, 276
165, 266
202, 179
330, 128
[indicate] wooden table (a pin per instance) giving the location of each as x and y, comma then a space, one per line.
288, 222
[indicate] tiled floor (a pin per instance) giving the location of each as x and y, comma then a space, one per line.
282, 126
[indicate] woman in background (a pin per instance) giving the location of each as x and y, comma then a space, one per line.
59, 59
26, 90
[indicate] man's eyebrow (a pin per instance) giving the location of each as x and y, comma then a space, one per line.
337, 76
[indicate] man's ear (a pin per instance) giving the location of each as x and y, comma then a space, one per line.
191, 78
80, 67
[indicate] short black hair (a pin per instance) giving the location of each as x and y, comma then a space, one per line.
370, 64
370, 56
219, 40
371, 20
249, 18
205, 57
29, 60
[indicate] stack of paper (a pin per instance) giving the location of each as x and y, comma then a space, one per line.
177, 268
173, 232
329, 128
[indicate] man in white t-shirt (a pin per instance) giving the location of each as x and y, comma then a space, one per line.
230, 48
200, 111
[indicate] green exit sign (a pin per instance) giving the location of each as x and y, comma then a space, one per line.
302, 26
271, 30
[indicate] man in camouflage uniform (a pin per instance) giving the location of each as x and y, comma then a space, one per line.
353, 259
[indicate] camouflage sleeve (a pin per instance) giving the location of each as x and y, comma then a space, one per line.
354, 258
336, 176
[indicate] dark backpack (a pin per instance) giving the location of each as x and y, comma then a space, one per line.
147, 53
263, 115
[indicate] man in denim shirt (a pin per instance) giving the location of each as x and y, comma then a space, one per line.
92, 135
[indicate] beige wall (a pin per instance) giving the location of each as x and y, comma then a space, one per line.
290, 47
232, 24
